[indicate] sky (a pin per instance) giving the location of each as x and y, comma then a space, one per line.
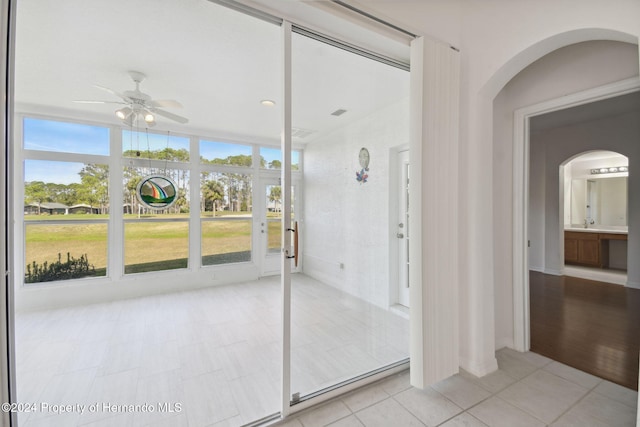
49, 135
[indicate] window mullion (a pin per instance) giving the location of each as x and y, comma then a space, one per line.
116, 214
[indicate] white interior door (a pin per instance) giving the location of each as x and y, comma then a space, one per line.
402, 232
270, 227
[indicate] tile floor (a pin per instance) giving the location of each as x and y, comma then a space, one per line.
527, 390
215, 351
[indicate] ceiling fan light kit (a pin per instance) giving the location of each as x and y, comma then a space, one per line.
139, 106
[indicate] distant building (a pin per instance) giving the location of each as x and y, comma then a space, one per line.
59, 209
83, 209
46, 208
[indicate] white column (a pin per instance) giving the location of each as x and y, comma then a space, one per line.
433, 215
477, 314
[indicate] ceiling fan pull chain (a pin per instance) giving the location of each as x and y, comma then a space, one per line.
166, 154
146, 131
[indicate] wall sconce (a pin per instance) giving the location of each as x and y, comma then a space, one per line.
614, 169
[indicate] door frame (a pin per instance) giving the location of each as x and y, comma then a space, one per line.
521, 139
394, 246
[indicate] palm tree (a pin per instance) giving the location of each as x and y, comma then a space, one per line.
275, 196
212, 191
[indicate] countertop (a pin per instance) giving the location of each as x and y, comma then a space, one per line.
599, 229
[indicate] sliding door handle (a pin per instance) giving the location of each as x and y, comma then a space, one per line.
294, 230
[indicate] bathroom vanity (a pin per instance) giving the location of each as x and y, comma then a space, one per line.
591, 247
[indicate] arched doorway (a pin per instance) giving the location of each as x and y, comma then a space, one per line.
519, 310
594, 212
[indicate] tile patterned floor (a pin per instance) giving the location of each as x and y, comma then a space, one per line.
527, 390
216, 351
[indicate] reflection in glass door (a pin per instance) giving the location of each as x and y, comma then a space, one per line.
342, 328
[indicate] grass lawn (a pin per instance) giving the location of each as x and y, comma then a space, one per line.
149, 246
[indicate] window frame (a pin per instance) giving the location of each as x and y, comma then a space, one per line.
116, 161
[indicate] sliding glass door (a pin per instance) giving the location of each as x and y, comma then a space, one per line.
343, 324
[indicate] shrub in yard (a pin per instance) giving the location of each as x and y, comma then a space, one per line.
72, 268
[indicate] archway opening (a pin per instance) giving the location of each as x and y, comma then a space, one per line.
594, 211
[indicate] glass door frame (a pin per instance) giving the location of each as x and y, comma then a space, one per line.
296, 403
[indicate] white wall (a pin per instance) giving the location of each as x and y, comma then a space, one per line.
347, 222
497, 40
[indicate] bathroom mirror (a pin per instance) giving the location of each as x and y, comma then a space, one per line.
599, 201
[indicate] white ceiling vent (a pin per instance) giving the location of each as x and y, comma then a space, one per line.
301, 133
338, 112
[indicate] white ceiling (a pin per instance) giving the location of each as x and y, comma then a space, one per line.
587, 112
218, 63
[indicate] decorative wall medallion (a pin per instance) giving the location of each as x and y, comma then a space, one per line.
363, 159
157, 192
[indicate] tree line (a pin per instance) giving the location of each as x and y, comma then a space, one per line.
219, 190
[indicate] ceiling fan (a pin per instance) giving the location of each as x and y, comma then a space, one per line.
137, 105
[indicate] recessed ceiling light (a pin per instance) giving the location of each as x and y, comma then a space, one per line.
268, 103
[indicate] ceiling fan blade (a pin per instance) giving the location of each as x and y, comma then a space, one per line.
165, 103
113, 92
81, 101
169, 115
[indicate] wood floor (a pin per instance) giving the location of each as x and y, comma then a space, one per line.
591, 326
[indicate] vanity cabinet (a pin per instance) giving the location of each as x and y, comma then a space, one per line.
589, 248
582, 248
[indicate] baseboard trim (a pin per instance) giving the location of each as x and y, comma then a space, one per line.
479, 369
635, 285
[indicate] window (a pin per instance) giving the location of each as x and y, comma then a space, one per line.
53, 188
223, 153
148, 145
271, 158
63, 250
155, 240
64, 137
66, 211
67, 202
226, 217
